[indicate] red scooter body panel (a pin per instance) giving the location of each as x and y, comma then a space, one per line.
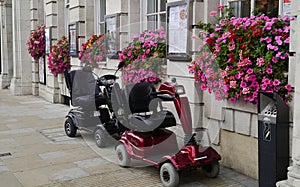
159, 142
192, 156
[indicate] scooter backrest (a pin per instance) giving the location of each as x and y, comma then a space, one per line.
83, 83
140, 98
68, 80
117, 98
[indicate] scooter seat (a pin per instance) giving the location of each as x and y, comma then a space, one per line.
146, 123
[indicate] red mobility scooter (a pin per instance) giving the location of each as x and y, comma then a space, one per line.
149, 140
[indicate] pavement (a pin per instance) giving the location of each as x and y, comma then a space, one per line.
34, 151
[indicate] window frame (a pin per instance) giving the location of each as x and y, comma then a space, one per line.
186, 54
158, 13
252, 5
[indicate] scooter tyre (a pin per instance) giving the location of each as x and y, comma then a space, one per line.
70, 128
212, 170
100, 138
122, 155
168, 175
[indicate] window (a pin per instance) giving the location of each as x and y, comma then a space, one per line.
154, 14
240, 8
245, 8
269, 7
100, 12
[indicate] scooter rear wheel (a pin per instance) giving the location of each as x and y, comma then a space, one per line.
168, 175
70, 128
122, 155
100, 138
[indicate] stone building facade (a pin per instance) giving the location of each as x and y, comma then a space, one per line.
294, 65
232, 129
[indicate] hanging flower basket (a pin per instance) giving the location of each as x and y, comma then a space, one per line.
93, 51
59, 57
144, 57
244, 56
36, 43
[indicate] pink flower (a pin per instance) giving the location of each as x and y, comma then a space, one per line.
263, 87
203, 87
221, 7
278, 40
288, 87
278, 54
213, 13
269, 71
275, 60
268, 25
231, 48
270, 46
243, 85
245, 91
286, 29
276, 82
250, 71
287, 41
233, 100
268, 40
232, 84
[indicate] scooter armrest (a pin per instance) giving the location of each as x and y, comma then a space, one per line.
165, 97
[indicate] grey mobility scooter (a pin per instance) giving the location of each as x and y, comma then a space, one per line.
91, 108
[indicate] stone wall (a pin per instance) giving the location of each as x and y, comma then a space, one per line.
294, 79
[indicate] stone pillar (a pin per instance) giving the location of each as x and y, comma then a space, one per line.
37, 19
6, 44
21, 81
294, 170
133, 18
51, 91
89, 19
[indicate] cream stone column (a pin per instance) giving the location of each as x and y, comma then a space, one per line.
6, 44
50, 91
294, 72
37, 19
21, 81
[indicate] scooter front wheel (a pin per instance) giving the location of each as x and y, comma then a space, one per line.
168, 175
70, 128
212, 170
122, 155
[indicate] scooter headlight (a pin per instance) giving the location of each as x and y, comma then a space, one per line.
179, 89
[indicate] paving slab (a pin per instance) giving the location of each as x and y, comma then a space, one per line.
8, 179
42, 176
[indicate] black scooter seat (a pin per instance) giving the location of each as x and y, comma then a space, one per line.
145, 123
